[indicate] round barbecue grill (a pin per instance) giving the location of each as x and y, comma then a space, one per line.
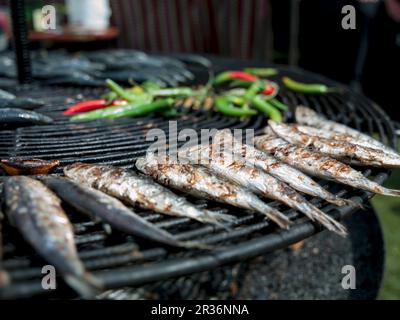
122, 261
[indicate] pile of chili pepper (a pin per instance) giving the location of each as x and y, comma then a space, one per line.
133, 102
238, 93
250, 93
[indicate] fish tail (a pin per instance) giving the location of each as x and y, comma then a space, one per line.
87, 286
275, 215
331, 224
345, 202
279, 218
389, 192
219, 219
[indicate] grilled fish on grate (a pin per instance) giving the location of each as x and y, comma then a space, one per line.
137, 190
198, 181
337, 149
104, 207
309, 117
319, 165
37, 213
225, 165
293, 177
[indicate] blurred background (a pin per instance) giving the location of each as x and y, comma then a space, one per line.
303, 33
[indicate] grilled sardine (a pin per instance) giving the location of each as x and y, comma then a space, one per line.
319, 165
337, 149
138, 190
225, 165
36, 212
199, 182
101, 206
309, 117
280, 170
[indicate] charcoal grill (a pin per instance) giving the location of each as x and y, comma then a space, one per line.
120, 260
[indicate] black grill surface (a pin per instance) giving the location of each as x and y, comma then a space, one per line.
121, 260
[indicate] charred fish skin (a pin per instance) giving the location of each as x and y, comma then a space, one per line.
309, 117
36, 212
199, 182
366, 149
137, 190
336, 149
106, 208
293, 177
333, 135
223, 164
319, 165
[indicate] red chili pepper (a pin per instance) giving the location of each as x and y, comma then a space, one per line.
232, 75
241, 75
268, 90
89, 105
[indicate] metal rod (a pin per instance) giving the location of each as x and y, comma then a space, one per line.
294, 32
21, 41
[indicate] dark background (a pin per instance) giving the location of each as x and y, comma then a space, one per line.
310, 36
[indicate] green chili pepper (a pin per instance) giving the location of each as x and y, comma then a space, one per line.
222, 77
121, 92
236, 100
253, 90
109, 96
240, 83
173, 92
223, 105
262, 72
280, 105
235, 92
151, 85
310, 88
267, 108
132, 110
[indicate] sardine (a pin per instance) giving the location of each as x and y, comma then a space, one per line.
333, 135
138, 190
199, 182
309, 117
223, 164
101, 206
293, 177
337, 149
14, 117
319, 165
9, 100
33, 209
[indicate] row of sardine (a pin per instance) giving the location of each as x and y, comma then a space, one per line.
33, 206
278, 167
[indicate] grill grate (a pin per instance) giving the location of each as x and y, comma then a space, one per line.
122, 260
